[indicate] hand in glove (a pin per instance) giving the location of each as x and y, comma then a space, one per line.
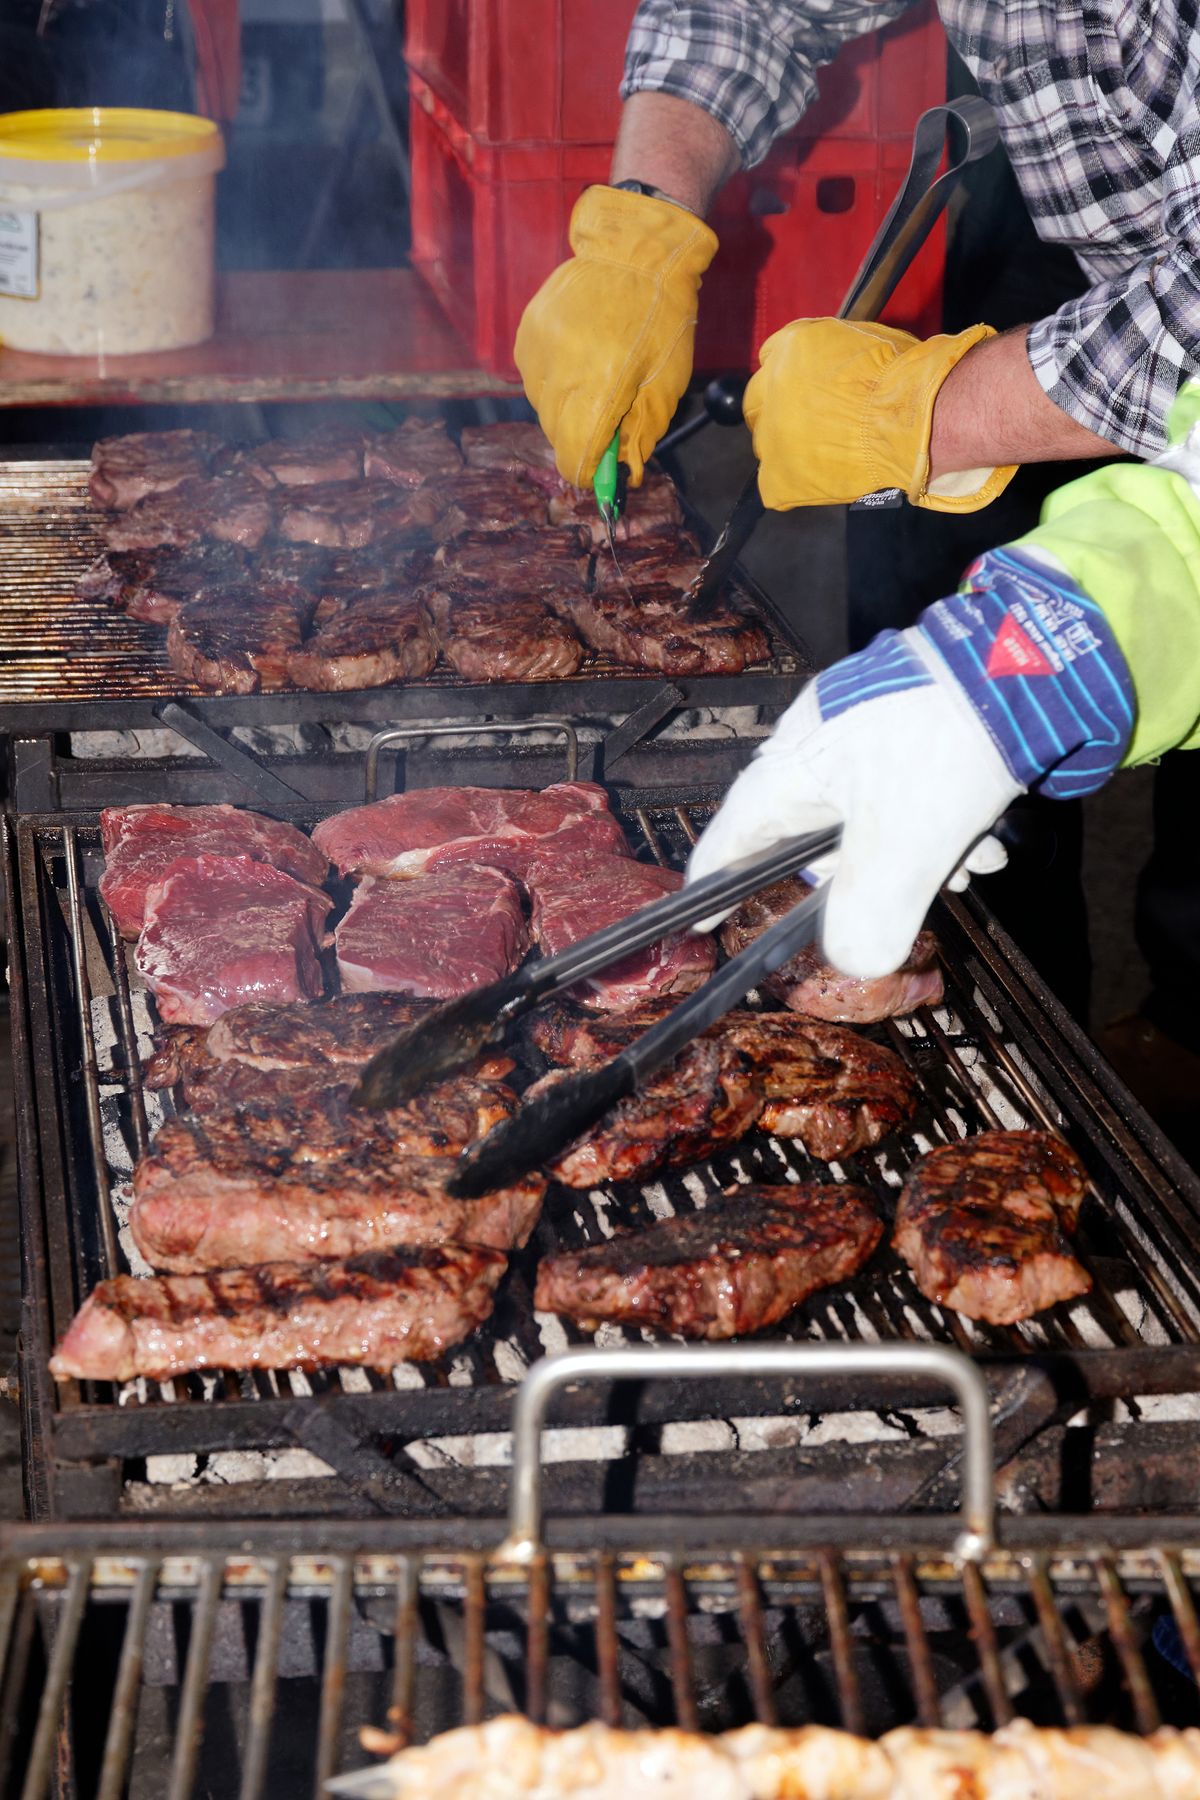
607, 339
841, 409
917, 744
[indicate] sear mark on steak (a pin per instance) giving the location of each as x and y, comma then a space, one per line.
435, 936
666, 559
523, 562
238, 639
485, 636
653, 507
703, 1101
484, 503
128, 469
653, 629
737, 1266
209, 1195
344, 1032
807, 984
403, 1305
369, 641
983, 1224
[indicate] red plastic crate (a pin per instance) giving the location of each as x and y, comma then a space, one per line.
489, 226
547, 71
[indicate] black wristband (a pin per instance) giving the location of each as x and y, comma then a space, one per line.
652, 193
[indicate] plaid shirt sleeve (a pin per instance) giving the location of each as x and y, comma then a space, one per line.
750, 63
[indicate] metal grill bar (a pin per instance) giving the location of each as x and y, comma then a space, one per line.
404, 1651
683, 1684
50, 1725
837, 1612
263, 1684
190, 1728
920, 1663
1055, 1642
751, 1617
1124, 1637
333, 1687
984, 1636
537, 1645
119, 1742
606, 1640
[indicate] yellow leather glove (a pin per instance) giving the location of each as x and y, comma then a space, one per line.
607, 339
840, 409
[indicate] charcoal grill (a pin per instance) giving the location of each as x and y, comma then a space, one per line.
72, 665
999, 1052
175, 1659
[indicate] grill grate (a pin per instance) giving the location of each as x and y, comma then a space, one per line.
79, 1053
57, 649
181, 1667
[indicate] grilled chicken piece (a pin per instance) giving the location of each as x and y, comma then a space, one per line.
809, 985
983, 1225
737, 1266
811, 1763
401, 1305
130, 468
375, 639
653, 629
210, 1196
705, 1100
489, 636
832, 1090
1096, 1762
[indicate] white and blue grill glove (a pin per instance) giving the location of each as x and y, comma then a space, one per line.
918, 743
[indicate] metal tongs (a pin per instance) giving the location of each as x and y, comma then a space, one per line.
970, 128
452, 1034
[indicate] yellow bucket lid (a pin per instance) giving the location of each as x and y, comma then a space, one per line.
104, 134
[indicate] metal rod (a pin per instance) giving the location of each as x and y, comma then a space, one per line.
473, 1623
333, 1681
128, 1036
751, 1621
1055, 1639
607, 1646
984, 1633
1184, 1609
263, 1682
537, 1639
91, 1073
664, 1362
114, 1770
841, 1643
58, 1674
1124, 1637
404, 1650
683, 1683
920, 1662
403, 734
190, 1727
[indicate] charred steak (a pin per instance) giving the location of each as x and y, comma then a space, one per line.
207, 1196
232, 508
152, 585
141, 843
222, 929
375, 639
653, 629
479, 501
575, 892
704, 1100
983, 1224
807, 984
485, 636
384, 1308
668, 559
130, 468
832, 1090
344, 1032
434, 828
238, 639
434, 936
737, 1266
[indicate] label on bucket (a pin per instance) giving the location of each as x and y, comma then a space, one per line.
18, 254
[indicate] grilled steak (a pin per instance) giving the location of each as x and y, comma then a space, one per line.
434, 936
379, 1309
211, 1196
666, 559
807, 984
375, 639
432, 828
238, 640
344, 1032
478, 501
704, 1100
232, 508
128, 469
576, 892
653, 629
653, 507
486, 636
983, 1225
517, 449
832, 1090
525, 562
308, 460
152, 585
341, 515
419, 451
142, 842
222, 929
739, 1265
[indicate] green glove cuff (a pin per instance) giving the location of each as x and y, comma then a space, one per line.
1130, 537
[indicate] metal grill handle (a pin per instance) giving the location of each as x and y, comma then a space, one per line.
943, 1367
403, 734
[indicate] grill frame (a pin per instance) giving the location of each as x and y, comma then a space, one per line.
76, 1446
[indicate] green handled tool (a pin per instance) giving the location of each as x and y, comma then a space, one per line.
605, 482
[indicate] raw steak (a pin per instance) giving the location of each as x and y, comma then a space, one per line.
525, 562
807, 984
983, 1225
434, 936
403, 1305
653, 629
486, 636
419, 451
232, 508
308, 460
703, 1101
375, 639
737, 1266
128, 469
238, 640
652, 507
430, 828
142, 842
205, 1198
223, 929
576, 892
517, 449
348, 515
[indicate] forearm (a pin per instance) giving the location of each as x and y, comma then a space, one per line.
992, 411
676, 147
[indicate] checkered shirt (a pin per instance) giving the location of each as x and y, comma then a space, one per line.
1097, 103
